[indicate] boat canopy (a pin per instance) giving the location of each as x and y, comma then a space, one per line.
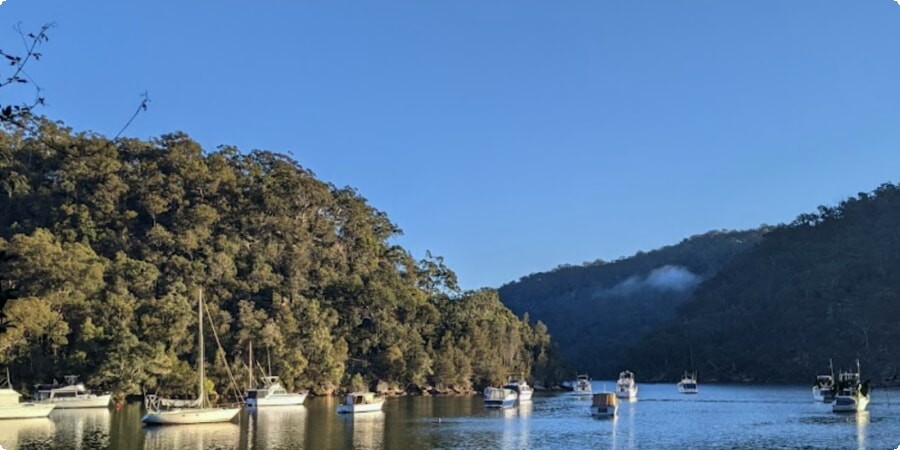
361, 398
604, 399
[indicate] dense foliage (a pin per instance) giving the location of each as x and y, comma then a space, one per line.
109, 241
596, 311
825, 286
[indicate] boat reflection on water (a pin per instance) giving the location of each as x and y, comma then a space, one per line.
27, 433
367, 429
87, 427
524, 409
199, 436
862, 423
278, 426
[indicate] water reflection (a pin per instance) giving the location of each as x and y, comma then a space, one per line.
367, 429
862, 422
277, 427
84, 428
201, 436
525, 408
36, 433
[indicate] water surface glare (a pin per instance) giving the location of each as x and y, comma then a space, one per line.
721, 416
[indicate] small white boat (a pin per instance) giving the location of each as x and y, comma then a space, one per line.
851, 395
273, 394
582, 385
499, 397
10, 408
178, 412
626, 387
520, 386
360, 402
823, 389
688, 384
69, 396
604, 404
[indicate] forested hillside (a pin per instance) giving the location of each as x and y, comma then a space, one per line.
596, 311
107, 243
825, 286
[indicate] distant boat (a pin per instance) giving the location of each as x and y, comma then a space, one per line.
688, 384
499, 397
626, 387
520, 386
10, 408
272, 393
70, 395
582, 385
823, 389
361, 402
851, 395
178, 412
604, 404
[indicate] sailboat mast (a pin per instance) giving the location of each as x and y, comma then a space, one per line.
202, 397
250, 368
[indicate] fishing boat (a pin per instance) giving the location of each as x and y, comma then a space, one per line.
499, 397
823, 388
179, 412
851, 395
70, 395
272, 393
688, 383
604, 404
582, 385
361, 402
10, 408
626, 388
520, 386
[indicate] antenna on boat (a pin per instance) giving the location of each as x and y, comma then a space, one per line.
269, 360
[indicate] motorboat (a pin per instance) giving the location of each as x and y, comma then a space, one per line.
162, 411
273, 394
582, 385
70, 395
604, 404
851, 395
626, 388
823, 389
11, 408
688, 383
361, 402
520, 386
499, 397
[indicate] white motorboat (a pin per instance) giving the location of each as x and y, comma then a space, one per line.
174, 412
499, 397
626, 388
71, 395
688, 384
582, 385
361, 402
273, 394
823, 389
851, 395
604, 404
520, 386
10, 408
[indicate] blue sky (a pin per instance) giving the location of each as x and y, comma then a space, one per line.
508, 136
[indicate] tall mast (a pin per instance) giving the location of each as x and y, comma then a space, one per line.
202, 397
250, 368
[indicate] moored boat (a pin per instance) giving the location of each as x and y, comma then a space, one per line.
604, 404
851, 395
520, 386
823, 389
360, 402
499, 397
582, 385
688, 383
10, 408
70, 396
273, 394
626, 387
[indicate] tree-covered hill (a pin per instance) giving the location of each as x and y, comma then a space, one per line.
596, 311
825, 286
106, 243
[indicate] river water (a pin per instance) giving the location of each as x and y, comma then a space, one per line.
720, 416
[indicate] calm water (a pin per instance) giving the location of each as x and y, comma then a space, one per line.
720, 416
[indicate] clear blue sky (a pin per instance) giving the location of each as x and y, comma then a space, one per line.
511, 136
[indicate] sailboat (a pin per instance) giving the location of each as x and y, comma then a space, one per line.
823, 389
272, 393
178, 412
851, 396
10, 408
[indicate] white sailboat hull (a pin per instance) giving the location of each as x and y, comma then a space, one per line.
25, 411
190, 416
97, 401
277, 400
360, 408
